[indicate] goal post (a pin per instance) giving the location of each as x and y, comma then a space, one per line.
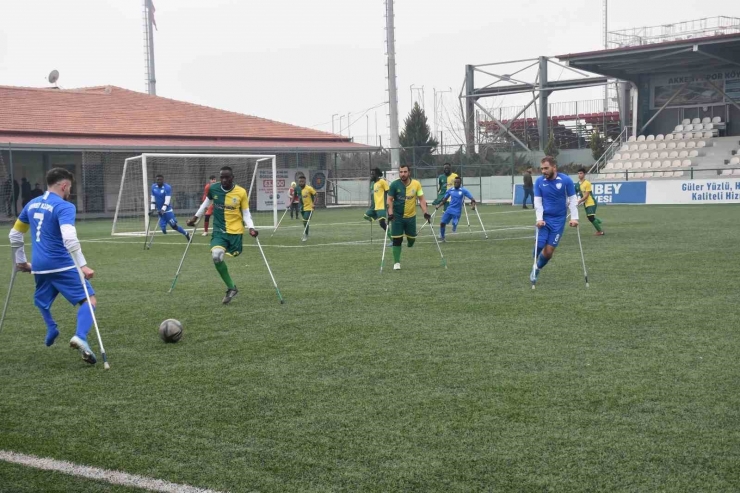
188, 174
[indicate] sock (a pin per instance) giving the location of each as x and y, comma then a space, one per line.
539, 250
84, 321
205, 225
542, 261
305, 227
396, 254
442, 230
383, 224
597, 224
51, 326
411, 242
164, 230
223, 271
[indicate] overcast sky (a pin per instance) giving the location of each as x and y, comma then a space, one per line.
301, 61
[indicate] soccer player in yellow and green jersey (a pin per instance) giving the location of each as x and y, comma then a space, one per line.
402, 196
307, 204
445, 182
378, 196
230, 214
585, 194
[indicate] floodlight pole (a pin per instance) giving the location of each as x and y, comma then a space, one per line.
543, 94
392, 96
148, 25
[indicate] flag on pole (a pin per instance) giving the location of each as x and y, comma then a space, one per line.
150, 7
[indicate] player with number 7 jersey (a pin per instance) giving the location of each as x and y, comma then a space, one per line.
51, 222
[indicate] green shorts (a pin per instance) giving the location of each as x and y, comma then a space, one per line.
591, 210
306, 215
403, 226
231, 243
376, 214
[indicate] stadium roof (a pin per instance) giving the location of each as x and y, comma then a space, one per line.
697, 55
110, 117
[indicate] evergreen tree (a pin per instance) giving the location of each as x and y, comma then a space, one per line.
597, 144
416, 138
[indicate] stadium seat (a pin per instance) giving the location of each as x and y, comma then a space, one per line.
654, 155
662, 145
698, 135
619, 165
640, 138
635, 155
637, 175
707, 135
652, 146
694, 153
681, 145
701, 144
633, 147
717, 119
683, 154
660, 137
657, 174
631, 138
676, 164
690, 144
670, 137
671, 145
685, 121
645, 155
609, 165
650, 137
617, 157
686, 163
667, 164
736, 172
698, 126
678, 173
637, 165
707, 126
673, 154
696, 120
624, 147
656, 164
688, 136
706, 119
663, 155
627, 165
735, 161
679, 128
726, 172
642, 147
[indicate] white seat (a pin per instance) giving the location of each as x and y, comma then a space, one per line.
642, 147
717, 119
696, 120
726, 172
686, 162
656, 164
624, 147
618, 165
631, 139
645, 155
707, 126
698, 135
662, 145
694, 153
698, 126
657, 174
654, 155
735, 161
736, 171
688, 136
640, 138
617, 156
679, 128
627, 165
683, 154
633, 147
706, 119
681, 145
652, 146
663, 155
647, 175
701, 144
690, 144
670, 137
685, 121
609, 165
665, 164
635, 155
650, 137
660, 137
637, 175
671, 145
637, 165
707, 135
676, 164
673, 154
677, 173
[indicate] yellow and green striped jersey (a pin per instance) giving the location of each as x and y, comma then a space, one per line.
446, 182
404, 197
227, 208
585, 186
378, 192
307, 197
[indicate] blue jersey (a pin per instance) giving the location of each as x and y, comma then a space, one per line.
159, 194
45, 215
554, 194
457, 199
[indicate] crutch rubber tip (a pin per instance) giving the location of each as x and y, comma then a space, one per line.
532, 286
586, 284
106, 365
282, 302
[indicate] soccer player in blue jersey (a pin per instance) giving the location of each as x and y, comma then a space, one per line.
457, 196
554, 194
161, 201
51, 220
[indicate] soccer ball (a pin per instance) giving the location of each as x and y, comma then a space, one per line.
170, 330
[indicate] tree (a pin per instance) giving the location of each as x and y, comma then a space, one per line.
597, 145
417, 138
551, 149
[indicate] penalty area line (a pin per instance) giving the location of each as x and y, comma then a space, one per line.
94, 473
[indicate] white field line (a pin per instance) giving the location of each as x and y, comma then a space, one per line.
106, 475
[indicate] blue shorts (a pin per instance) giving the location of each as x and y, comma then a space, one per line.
550, 233
67, 282
448, 218
167, 218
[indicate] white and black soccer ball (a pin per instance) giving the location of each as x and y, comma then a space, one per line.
170, 330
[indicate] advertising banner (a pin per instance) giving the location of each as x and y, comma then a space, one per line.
315, 178
605, 192
714, 191
698, 91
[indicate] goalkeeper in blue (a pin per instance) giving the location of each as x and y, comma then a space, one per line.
51, 220
453, 211
161, 201
554, 195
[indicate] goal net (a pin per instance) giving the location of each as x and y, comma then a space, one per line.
188, 174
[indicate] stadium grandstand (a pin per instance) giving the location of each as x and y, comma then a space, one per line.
672, 109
